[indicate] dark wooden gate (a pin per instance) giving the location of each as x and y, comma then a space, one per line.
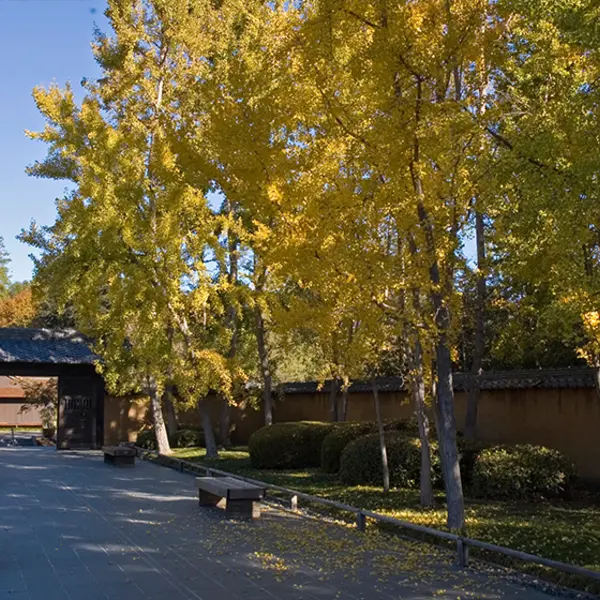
78, 412
68, 355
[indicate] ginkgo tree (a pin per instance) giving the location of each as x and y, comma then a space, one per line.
395, 87
547, 225
129, 245
232, 129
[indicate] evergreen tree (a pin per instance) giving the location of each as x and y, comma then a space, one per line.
4, 271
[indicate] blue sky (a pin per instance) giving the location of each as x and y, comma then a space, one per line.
41, 41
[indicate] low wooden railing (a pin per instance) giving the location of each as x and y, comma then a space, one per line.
361, 515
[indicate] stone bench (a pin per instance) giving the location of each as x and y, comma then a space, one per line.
119, 456
241, 499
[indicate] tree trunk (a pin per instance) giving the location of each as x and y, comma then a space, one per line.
233, 324
160, 431
597, 376
447, 434
345, 395
333, 403
209, 437
382, 447
267, 401
445, 391
417, 385
418, 393
345, 391
265, 367
167, 400
474, 380
225, 423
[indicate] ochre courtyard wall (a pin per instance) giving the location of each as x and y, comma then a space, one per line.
315, 406
244, 419
124, 418
565, 419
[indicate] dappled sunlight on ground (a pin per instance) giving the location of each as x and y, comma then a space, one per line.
141, 535
567, 532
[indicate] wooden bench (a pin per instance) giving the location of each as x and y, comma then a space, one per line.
119, 456
241, 499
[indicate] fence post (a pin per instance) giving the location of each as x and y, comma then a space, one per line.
361, 521
462, 553
294, 502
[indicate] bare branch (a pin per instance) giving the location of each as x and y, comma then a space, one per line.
361, 18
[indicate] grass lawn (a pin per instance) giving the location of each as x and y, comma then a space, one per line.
21, 429
564, 531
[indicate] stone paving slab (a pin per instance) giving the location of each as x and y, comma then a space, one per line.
74, 528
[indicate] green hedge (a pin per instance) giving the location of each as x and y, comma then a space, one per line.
468, 451
408, 427
335, 442
187, 438
522, 472
183, 438
146, 439
343, 433
288, 445
360, 463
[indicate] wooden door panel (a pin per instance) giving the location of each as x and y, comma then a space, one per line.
77, 412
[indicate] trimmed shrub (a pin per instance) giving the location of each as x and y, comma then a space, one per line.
343, 433
335, 442
183, 438
146, 439
288, 445
409, 427
522, 472
187, 438
468, 451
360, 463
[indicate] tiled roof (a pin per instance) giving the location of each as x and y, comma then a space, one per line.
45, 346
384, 384
576, 377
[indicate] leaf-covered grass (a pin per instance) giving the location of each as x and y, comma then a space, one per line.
565, 531
21, 429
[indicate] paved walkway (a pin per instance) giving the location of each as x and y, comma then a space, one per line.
73, 528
